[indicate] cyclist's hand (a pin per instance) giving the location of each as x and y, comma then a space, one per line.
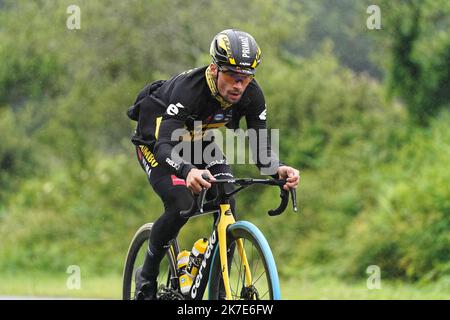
195, 182
291, 175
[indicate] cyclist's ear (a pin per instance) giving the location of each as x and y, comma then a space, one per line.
213, 70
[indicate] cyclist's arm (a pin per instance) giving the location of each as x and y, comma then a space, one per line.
167, 133
266, 159
164, 154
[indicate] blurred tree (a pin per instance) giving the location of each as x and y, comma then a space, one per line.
344, 23
418, 39
30, 67
17, 156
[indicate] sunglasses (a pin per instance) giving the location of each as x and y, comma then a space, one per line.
236, 76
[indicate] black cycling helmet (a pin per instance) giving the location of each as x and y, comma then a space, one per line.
236, 50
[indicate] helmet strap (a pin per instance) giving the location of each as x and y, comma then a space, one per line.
212, 84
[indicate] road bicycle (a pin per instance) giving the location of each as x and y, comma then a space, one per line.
248, 273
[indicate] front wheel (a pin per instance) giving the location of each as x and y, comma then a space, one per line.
264, 285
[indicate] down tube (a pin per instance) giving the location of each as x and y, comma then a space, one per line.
202, 278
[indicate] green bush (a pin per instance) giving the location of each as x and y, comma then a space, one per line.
53, 223
406, 232
17, 155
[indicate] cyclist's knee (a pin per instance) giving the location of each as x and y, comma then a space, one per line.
177, 199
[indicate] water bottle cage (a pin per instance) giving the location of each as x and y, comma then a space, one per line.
197, 261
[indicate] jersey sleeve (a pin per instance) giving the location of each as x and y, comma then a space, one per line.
170, 127
260, 139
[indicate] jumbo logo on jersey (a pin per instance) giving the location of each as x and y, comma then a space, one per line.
173, 109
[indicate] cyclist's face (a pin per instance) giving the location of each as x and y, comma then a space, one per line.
231, 85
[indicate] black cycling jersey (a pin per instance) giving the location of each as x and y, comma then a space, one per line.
178, 102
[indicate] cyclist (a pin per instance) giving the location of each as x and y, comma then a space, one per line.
218, 94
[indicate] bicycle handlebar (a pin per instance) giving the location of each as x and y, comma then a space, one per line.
199, 205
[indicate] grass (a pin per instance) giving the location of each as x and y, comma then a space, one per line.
334, 289
40, 285
45, 285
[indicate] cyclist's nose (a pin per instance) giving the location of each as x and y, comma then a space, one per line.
238, 84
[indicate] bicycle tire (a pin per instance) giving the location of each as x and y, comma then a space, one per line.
139, 240
250, 235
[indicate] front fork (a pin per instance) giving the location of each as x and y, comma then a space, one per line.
226, 218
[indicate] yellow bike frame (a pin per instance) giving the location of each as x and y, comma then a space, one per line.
226, 218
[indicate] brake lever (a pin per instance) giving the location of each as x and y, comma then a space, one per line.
198, 200
201, 199
202, 195
294, 199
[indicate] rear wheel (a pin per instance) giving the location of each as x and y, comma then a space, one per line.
264, 284
167, 278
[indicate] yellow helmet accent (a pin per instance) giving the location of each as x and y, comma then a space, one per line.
221, 42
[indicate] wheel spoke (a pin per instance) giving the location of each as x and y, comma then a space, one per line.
257, 264
254, 282
260, 298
